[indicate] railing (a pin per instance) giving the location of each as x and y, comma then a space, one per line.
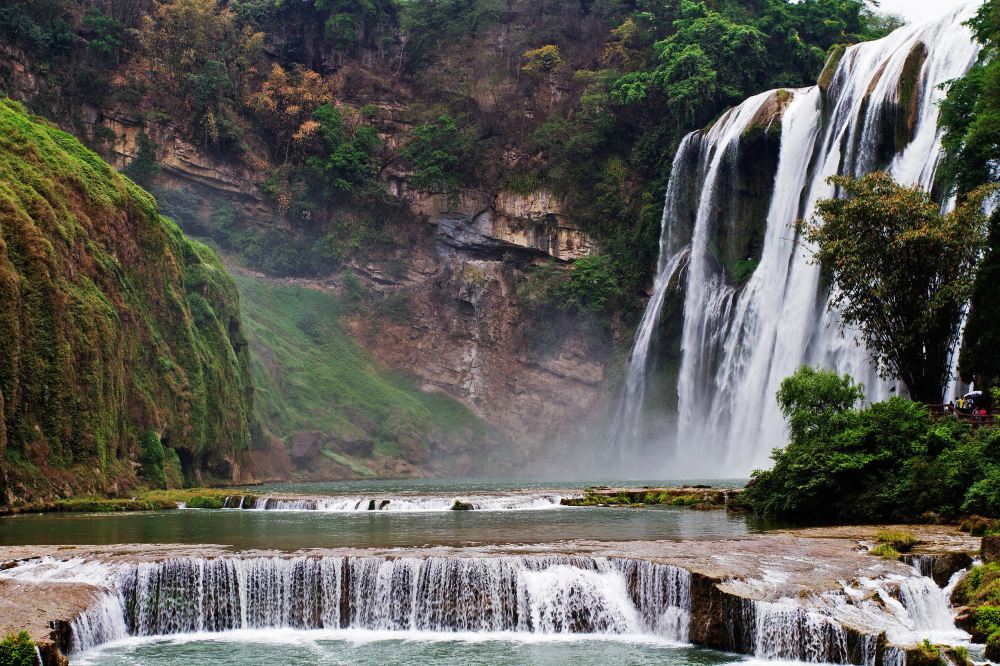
975, 420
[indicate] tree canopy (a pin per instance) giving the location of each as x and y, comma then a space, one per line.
902, 273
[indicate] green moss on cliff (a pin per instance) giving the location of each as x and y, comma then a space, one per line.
113, 324
310, 375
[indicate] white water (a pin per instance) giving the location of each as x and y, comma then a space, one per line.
544, 597
738, 343
397, 503
548, 595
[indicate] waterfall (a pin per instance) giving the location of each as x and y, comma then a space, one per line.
740, 340
538, 595
394, 503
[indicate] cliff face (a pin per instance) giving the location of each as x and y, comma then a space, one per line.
116, 328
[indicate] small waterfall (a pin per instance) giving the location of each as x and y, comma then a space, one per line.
540, 595
739, 340
394, 503
784, 630
100, 623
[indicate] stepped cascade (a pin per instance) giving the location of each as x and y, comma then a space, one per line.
542, 595
394, 503
742, 335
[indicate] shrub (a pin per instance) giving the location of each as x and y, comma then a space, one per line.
901, 540
886, 551
18, 650
206, 502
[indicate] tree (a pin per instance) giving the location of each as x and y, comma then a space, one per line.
347, 162
543, 60
143, 166
902, 273
284, 107
436, 152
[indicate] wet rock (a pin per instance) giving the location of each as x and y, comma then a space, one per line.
990, 550
459, 505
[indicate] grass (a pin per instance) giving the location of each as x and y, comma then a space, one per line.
885, 551
900, 540
311, 375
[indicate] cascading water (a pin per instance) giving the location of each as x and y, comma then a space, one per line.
395, 503
538, 595
740, 340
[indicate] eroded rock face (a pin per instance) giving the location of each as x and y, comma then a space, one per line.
990, 550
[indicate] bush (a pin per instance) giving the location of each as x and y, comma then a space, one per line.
206, 502
889, 461
901, 540
590, 284
18, 650
886, 551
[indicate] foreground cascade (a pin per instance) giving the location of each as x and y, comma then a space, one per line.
753, 305
115, 328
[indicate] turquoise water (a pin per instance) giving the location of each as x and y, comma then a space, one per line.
292, 530
248, 648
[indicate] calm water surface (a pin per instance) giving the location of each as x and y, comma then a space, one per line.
288, 647
290, 530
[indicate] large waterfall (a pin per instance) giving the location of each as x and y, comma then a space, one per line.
742, 334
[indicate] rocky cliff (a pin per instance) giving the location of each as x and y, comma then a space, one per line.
123, 354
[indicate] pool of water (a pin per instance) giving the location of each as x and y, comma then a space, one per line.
283, 530
248, 648
292, 530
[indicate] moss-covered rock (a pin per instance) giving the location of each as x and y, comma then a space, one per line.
114, 325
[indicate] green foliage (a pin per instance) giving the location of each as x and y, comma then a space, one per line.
101, 297
900, 540
18, 650
543, 60
206, 502
437, 151
885, 551
143, 166
889, 461
348, 160
152, 459
589, 284
903, 273
311, 375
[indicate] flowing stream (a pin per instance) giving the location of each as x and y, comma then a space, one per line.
739, 340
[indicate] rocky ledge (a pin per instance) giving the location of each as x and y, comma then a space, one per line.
808, 594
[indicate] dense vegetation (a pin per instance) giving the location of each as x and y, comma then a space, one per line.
980, 589
119, 334
889, 461
971, 119
572, 97
18, 650
903, 273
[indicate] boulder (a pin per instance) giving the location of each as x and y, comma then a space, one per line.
459, 505
307, 444
355, 445
990, 550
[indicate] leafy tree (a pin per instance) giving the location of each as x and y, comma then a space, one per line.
143, 166
902, 273
437, 152
543, 60
347, 162
284, 107
589, 284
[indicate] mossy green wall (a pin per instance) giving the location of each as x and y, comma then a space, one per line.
112, 323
